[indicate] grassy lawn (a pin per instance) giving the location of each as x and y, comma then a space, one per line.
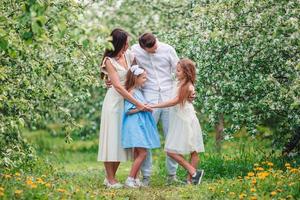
246, 169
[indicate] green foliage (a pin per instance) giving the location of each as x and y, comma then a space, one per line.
48, 65
247, 56
248, 62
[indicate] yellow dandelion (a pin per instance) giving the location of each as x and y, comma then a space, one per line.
1, 189
242, 196
39, 180
18, 192
254, 181
288, 168
273, 193
291, 184
253, 190
260, 169
287, 165
1, 194
270, 164
48, 185
61, 190
232, 193
247, 177
29, 182
253, 198
17, 174
262, 175
294, 170
33, 186
211, 188
250, 174
7, 176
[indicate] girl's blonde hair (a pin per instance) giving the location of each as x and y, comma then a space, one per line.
189, 70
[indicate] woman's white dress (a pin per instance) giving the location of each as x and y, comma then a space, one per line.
184, 134
110, 147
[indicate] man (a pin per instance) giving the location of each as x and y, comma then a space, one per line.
159, 60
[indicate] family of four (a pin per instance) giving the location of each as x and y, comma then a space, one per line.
143, 87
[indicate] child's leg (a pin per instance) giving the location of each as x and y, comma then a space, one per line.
194, 162
134, 157
181, 161
141, 154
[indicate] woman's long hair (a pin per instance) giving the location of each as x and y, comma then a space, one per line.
188, 68
119, 39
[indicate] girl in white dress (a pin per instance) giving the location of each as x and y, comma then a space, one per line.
115, 65
184, 134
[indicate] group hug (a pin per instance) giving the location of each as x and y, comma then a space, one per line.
148, 83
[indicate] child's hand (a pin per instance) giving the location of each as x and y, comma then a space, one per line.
192, 97
148, 107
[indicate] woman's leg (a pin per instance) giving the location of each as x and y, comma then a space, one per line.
110, 173
140, 155
194, 162
115, 167
181, 161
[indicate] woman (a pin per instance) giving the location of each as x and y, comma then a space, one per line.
115, 65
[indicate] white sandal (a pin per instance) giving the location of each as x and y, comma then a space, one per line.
112, 186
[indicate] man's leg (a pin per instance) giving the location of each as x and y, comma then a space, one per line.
170, 163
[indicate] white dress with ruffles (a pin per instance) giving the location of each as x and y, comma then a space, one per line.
110, 147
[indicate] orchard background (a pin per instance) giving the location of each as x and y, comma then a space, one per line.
248, 95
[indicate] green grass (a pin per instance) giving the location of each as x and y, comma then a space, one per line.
72, 172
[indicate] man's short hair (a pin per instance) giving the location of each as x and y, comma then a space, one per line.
147, 40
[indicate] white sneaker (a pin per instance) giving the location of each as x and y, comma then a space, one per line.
105, 181
130, 183
138, 182
114, 186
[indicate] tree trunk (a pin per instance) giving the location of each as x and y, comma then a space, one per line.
292, 144
219, 130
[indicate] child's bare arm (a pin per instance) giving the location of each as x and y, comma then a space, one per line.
165, 104
132, 111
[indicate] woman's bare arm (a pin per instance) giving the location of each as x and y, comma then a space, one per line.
114, 78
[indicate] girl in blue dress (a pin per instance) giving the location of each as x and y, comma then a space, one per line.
139, 129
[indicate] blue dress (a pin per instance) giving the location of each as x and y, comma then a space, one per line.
139, 129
